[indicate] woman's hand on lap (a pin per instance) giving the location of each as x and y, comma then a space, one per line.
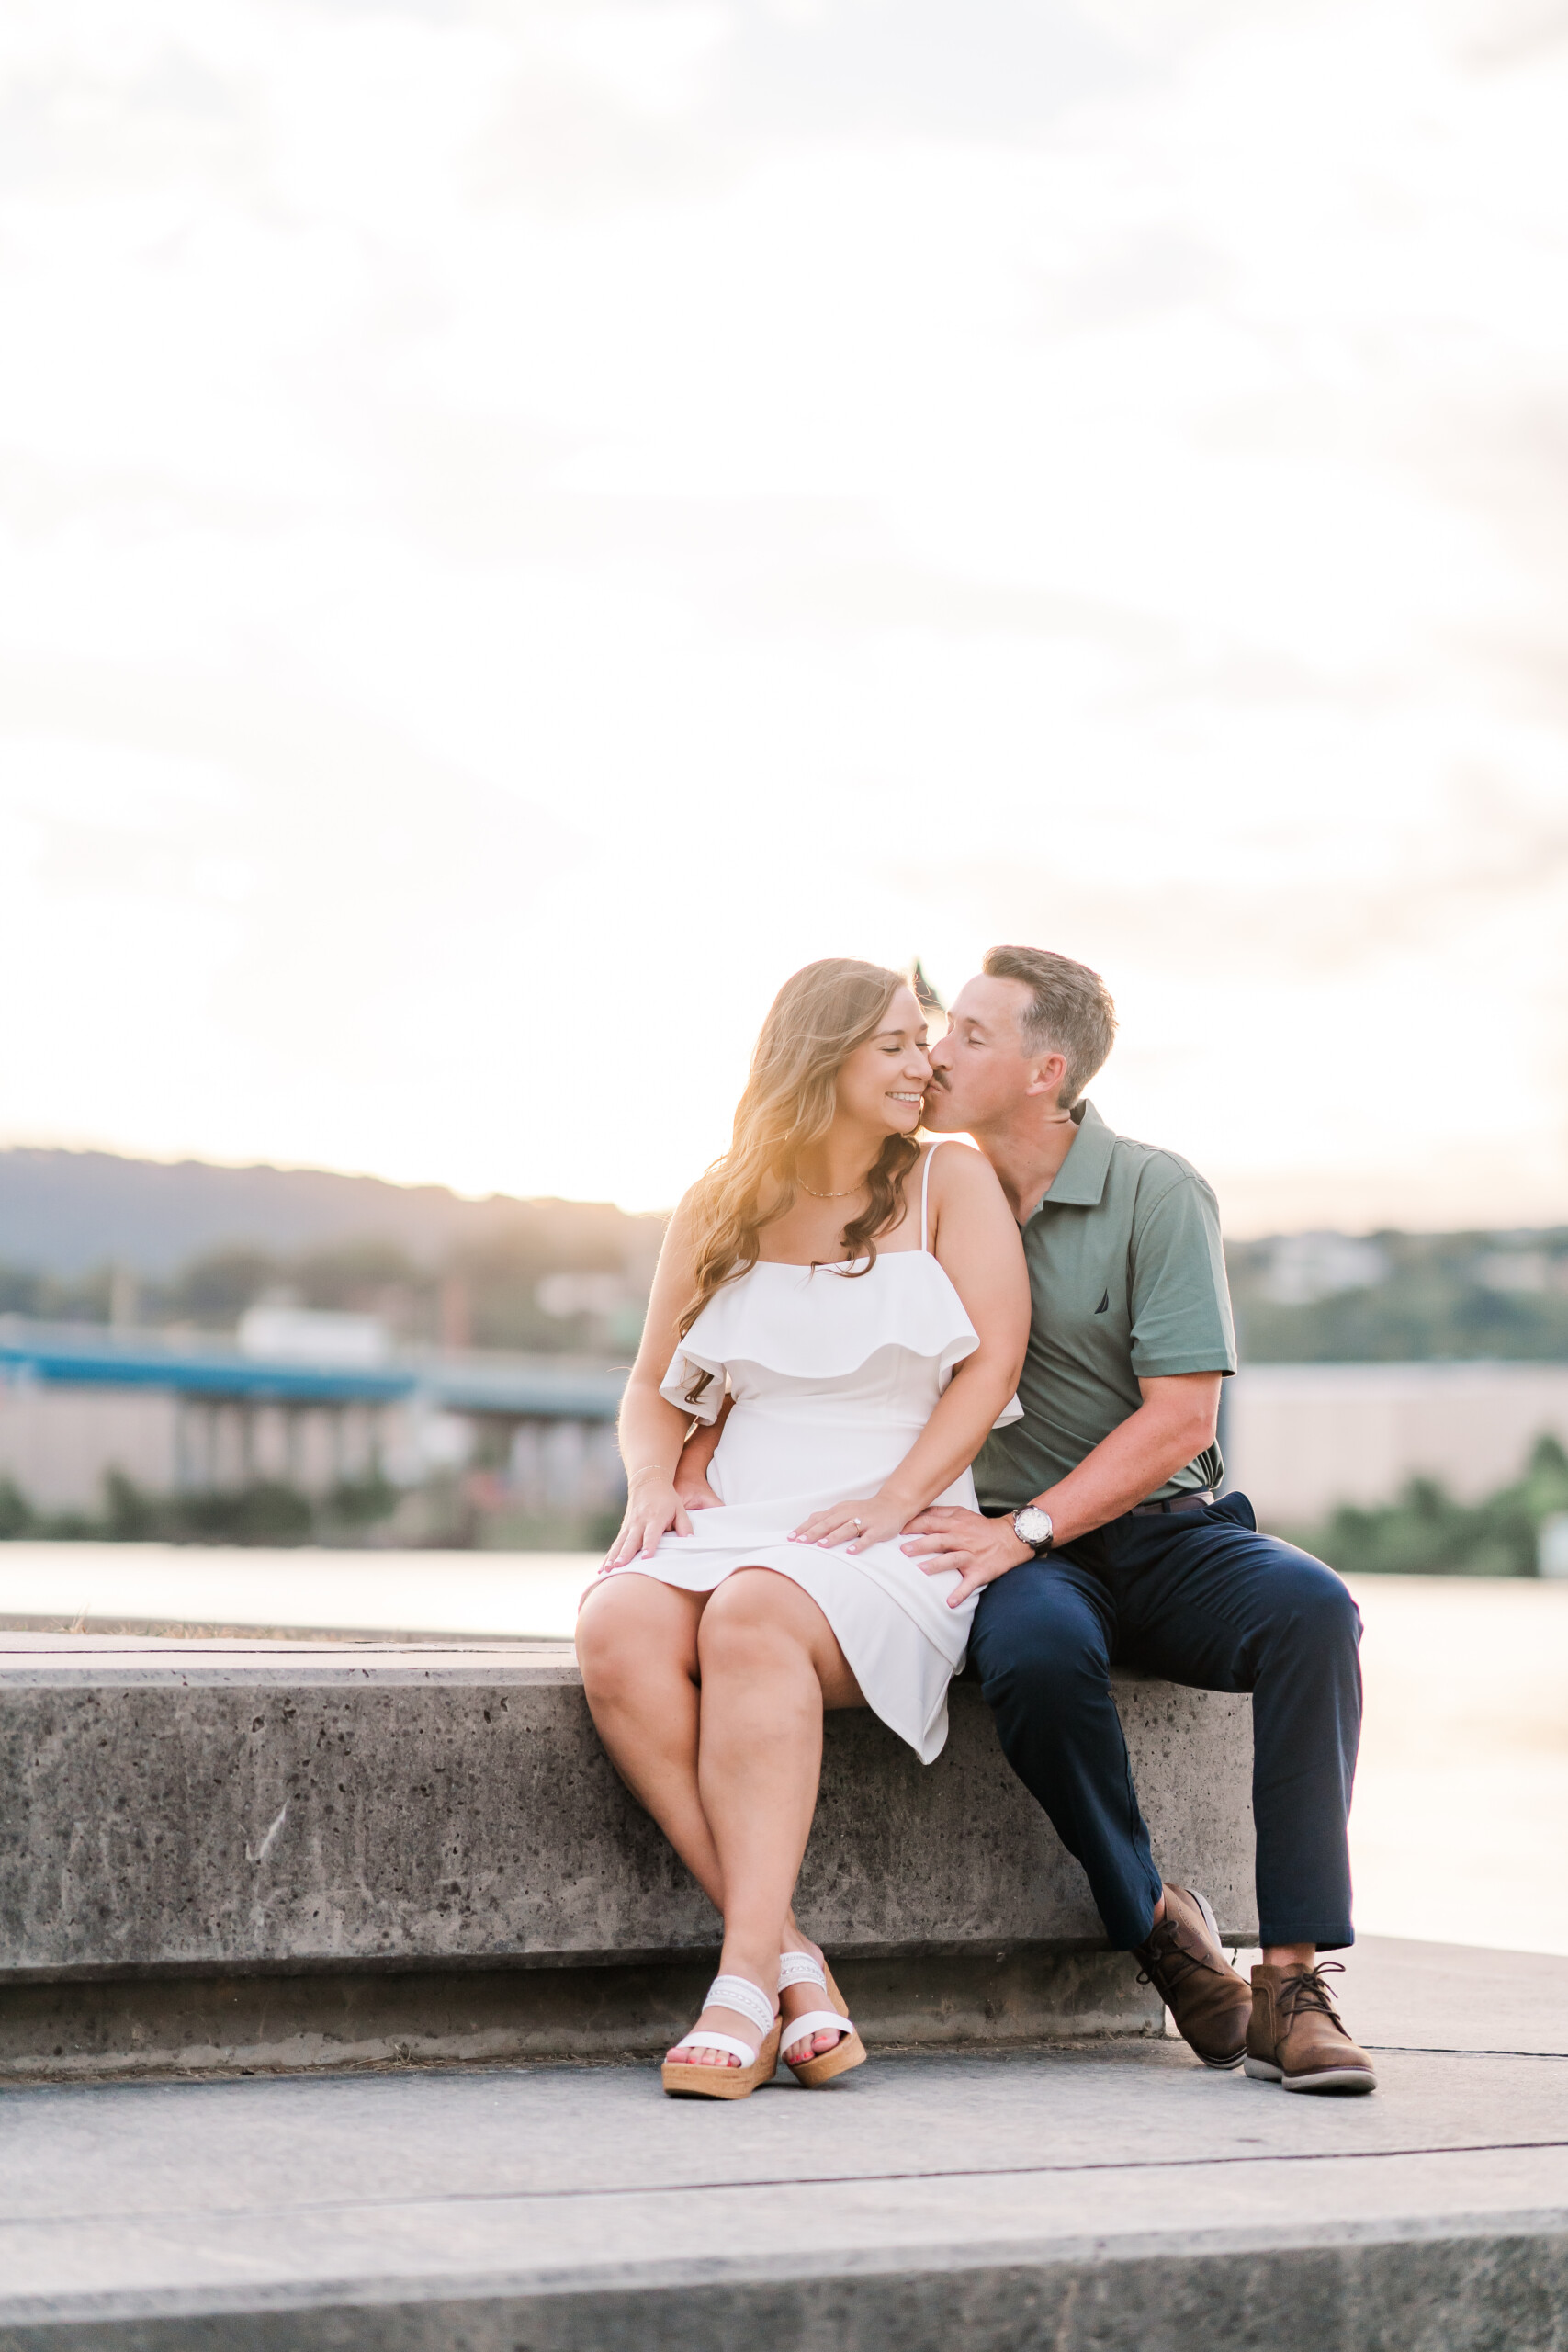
854, 1525
653, 1508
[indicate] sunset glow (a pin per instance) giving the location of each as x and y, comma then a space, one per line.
521, 524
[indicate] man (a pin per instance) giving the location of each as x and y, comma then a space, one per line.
1099, 1540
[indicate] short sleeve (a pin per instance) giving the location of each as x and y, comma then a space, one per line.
685, 1374
1179, 1297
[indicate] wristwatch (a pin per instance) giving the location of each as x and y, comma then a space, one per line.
1033, 1526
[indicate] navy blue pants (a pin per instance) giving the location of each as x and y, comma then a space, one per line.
1200, 1598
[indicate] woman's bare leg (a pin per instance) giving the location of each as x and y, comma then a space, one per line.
770, 1664
637, 1644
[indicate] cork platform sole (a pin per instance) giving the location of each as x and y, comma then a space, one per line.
684, 2080
848, 2051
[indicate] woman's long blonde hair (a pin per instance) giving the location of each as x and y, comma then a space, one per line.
814, 1025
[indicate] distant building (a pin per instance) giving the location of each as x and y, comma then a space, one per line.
305, 1335
1300, 1438
1305, 1267
314, 1401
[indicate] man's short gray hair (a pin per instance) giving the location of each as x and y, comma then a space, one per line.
1071, 1014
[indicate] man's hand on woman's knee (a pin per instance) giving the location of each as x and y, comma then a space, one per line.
948, 1538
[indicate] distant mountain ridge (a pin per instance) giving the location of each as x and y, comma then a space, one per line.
66, 1213
358, 1242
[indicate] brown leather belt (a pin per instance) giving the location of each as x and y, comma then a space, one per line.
1200, 1500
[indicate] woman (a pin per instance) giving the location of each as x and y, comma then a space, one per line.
847, 1309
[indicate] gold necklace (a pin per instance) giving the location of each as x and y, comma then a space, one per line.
829, 1197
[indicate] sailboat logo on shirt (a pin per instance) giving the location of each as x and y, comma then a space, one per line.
1104, 1304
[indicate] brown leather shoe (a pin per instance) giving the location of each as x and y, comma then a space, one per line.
1183, 1961
1295, 2038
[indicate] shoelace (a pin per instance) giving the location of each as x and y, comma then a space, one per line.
1173, 1952
1310, 1992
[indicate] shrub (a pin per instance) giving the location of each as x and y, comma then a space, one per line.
15, 1518
1426, 1532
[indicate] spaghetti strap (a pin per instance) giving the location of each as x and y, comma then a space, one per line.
925, 1186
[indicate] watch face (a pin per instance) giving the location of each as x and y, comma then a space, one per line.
1031, 1526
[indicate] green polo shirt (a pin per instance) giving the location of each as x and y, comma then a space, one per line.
1128, 1281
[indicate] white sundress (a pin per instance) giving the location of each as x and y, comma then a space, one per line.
833, 1379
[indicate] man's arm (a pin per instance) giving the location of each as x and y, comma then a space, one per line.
1175, 1422
692, 1470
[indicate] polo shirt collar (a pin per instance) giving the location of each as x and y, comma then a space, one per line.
1080, 1179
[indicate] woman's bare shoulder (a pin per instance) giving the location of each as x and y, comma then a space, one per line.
677, 1254
961, 1174
685, 1208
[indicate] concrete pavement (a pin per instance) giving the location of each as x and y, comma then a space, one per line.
1101, 2197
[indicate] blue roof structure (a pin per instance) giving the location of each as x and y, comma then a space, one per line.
87, 1355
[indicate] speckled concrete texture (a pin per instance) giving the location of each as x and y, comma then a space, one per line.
99, 2028
1116, 2198
230, 1807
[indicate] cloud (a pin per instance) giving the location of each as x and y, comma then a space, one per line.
616, 500
1000, 70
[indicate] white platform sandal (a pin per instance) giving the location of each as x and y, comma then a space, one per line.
756, 2066
799, 1968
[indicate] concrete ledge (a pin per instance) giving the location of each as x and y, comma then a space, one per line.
307, 1819
116, 2029
1478, 2290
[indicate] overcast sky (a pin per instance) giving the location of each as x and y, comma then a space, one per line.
523, 523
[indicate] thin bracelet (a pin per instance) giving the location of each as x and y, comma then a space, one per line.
650, 1465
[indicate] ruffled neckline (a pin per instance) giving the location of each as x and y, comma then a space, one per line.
812, 1331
